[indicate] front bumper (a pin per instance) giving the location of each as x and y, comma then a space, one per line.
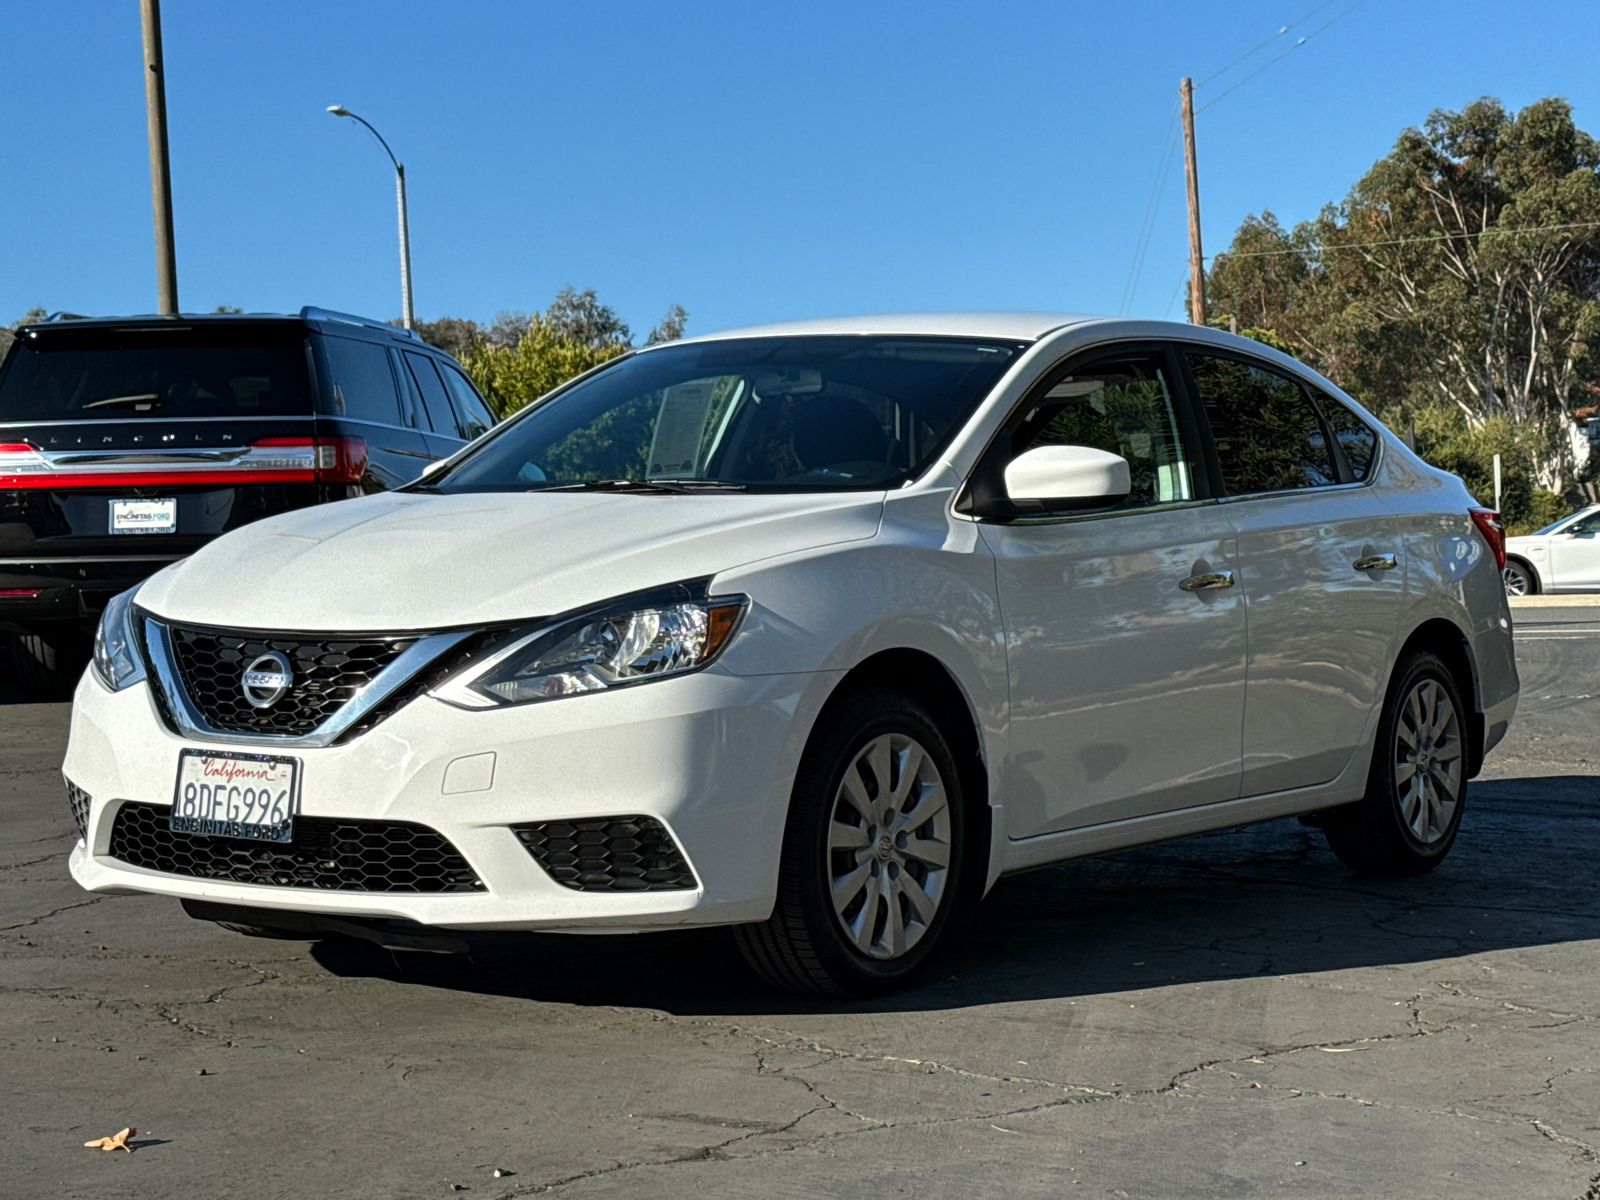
711, 756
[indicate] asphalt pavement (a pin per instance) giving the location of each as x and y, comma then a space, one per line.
1229, 1015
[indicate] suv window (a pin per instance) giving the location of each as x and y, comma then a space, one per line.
434, 400
1124, 407
474, 414
363, 384
69, 374
1355, 437
1268, 436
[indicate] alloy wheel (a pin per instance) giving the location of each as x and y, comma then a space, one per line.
1428, 761
888, 861
1516, 582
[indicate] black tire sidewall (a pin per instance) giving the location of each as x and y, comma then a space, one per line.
842, 732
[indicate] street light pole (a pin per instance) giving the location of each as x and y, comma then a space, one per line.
155, 106
407, 315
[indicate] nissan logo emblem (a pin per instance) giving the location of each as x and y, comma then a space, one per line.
266, 679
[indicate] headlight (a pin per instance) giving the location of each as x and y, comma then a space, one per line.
116, 660
630, 642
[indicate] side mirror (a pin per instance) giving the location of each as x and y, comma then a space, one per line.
1067, 477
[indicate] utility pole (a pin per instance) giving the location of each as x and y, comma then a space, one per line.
155, 104
1197, 262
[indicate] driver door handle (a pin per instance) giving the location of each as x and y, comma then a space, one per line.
1211, 579
1376, 562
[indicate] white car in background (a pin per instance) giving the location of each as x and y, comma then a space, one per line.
1562, 557
814, 631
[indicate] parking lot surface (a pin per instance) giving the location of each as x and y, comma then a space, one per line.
1230, 1015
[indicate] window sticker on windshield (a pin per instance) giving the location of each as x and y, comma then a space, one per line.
680, 426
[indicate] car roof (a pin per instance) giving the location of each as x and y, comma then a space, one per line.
309, 316
1013, 326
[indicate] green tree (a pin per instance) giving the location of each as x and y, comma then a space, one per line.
513, 376
1461, 272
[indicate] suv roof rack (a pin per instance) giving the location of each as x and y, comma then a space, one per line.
65, 316
312, 313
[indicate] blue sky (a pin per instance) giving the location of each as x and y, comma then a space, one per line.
751, 162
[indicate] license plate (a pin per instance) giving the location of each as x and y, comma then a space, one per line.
248, 796
144, 516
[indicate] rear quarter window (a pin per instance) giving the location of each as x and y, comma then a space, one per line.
1356, 438
363, 384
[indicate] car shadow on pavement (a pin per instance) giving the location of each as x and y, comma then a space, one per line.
1264, 900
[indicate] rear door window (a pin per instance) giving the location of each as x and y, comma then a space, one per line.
434, 400
363, 384
1268, 435
470, 409
88, 374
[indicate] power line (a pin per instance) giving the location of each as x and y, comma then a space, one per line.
1432, 237
1277, 57
1152, 206
1265, 42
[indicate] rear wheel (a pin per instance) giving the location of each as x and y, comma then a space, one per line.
1417, 787
1519, 579
872, 855
48, 661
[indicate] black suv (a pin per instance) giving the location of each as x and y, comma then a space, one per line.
126, 443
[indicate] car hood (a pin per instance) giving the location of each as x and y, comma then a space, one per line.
403, 561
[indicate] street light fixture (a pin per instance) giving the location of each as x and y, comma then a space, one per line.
340, 110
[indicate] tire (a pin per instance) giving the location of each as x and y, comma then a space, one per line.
1519, 579
847, 834
48, 662
1407, 821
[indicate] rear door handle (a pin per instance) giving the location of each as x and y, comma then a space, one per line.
1376, 562
1211, 579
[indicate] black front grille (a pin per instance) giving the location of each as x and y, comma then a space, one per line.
79, 800
326, 853
327, 673
608, 854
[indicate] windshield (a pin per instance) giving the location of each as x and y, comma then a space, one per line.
769, 414
1554, 526
164, 373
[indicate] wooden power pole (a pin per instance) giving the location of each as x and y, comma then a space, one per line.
1197, 262
155, 104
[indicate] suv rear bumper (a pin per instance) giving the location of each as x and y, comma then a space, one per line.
69, 589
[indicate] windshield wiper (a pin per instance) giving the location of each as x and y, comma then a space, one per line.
142, 401
666, 486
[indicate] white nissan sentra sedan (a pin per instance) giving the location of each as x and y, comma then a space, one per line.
813, 630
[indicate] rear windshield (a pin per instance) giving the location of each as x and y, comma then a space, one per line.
177, 372
764, 414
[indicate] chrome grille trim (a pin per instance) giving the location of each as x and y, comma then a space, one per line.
190, 722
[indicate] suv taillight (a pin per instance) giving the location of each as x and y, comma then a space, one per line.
1494, 532
269, 460
329, 459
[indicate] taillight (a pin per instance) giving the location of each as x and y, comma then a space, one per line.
330, 459
269, 460
1494, 532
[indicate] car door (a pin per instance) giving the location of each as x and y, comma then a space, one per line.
366, 403
1127, 687
1322, 567
1574, 554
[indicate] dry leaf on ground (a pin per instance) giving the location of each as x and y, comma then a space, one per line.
117, 1141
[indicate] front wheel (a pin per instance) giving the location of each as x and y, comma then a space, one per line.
1417, 787
872, 854
1519, 579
